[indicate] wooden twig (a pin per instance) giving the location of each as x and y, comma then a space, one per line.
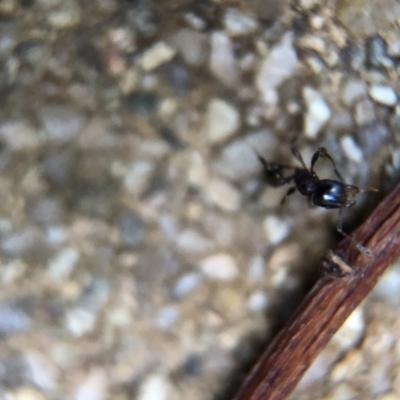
350, 276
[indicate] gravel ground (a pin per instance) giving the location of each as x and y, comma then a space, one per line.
142, 254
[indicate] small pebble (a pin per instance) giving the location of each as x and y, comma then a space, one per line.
138, 177
185, 285
276, 67
56, 235
353, 90
79, 322
191, 45
343, 391
61, 123
8, 35
284, 255
167, 317
376, 51
364, 112
63, 264
221, 267
349, 365
191, 241
198, 170
367, 18
223, 195
95, 294
318, 112
155, 56
223, 62
258, 301
275, 229
154, 387
19, 135
43, 372
20, 243
26, 393
228, 166
131, 228
383, 94
238, 24
12, 270
318, 369
13, 321
351, 331
222, 120
387, 396
256, 268
388, 287
47, 211
373, 136
66, 14
93, 387
194, 21
351, 149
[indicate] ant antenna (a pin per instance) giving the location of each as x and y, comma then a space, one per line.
339, 227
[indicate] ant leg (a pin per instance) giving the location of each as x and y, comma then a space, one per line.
288, 193
296, 153
339, 227
323, 153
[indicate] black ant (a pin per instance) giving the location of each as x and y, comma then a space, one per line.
326, 193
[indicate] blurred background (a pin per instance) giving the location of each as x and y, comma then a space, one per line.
143, 256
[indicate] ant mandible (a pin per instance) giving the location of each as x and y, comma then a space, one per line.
326, 193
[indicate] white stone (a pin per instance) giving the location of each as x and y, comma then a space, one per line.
258, 301
67, 15
222, 195
167, 317
223, 62
191, 241
383, 94
276, 67
63, 264
194, 21
256, 268
245, 149
24, 393
197, 174
318, 112
157, 55
93, 387
352, 91
351, 149
191, 45
237, 23
154, 387
61, 123
388, 287
275, 229
364, 112
221, 267
138, 176
19, 135
222, 120
351, 331
79, 322
186, 284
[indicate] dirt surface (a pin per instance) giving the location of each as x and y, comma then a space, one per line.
143, 256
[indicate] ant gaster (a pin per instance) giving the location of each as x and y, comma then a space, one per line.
326, 193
